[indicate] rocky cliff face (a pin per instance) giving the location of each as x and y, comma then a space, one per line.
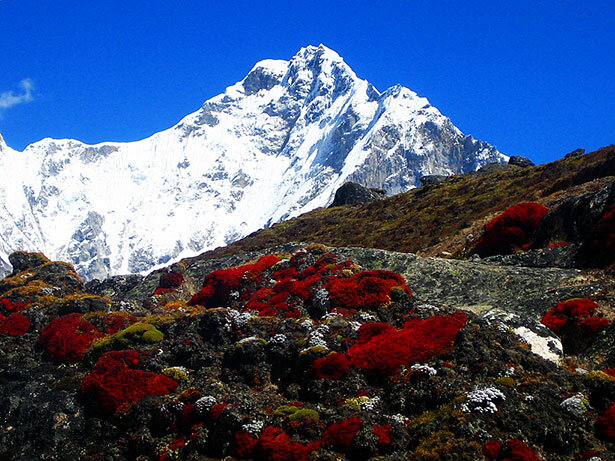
274, 145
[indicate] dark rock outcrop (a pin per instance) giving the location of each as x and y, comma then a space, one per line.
575, 153
521, 161
431, 179
352, 193
573, 220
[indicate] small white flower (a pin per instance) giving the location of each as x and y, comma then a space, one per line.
480, 400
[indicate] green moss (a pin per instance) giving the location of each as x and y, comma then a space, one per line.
295, 413
304, 413
139, 332
177, 373
285, 410
505, 381
153, 336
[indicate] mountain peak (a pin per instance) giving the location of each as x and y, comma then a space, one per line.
275, 145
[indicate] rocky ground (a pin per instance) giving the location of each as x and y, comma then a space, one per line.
304, 352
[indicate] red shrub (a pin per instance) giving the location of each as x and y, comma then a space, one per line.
171, 280
333, 366
591, 326
116, 385
117, 321
606, 424
9, 306
291, 288
510, 230
339, 436
577, 308
67, 338
244, 445
275, 445
218, 285
216, 411
557, 245
418, 341
492, 450
365, 289
384, 434
609, 371
513, 450
370, 330
14, 325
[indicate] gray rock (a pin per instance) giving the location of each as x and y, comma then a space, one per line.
353, 193
573, 219
475, 285
431, 179
575, 153
521, 161
564, 257
21, 260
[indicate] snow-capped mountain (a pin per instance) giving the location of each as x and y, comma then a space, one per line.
274, 145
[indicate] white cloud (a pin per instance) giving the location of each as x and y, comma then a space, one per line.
10, 99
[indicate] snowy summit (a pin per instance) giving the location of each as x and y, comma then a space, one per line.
274, 145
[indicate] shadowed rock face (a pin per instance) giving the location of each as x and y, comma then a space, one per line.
518, 160
353, 193
153, 376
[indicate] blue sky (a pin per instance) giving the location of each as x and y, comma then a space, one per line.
532, 78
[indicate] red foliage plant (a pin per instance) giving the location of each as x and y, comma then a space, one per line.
511, 229
293, 287
67, 338
578, 311
14, 325
417, 341
117, 321
219, 285
244, 445
116, 385
9, 306
333, 366
384, 434
276, 445
365, 289
171, 280
512, 450
340, 435
606, 424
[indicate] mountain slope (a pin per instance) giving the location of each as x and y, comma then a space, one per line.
434, 219
275, 145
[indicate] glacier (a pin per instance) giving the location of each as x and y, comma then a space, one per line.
277, 144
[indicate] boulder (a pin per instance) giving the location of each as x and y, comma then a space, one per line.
22, 260
431, 179
518, 160
574, 218
352, 193
575, 153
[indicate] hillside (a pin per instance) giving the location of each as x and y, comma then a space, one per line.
435, 219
